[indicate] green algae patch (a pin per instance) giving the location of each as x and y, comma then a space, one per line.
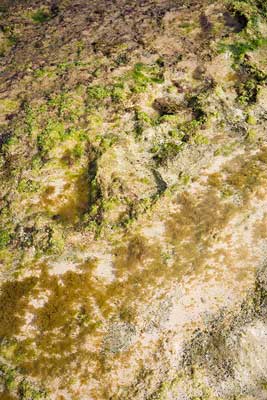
52, 135
4, 239
28, 392
239, 49
143, 75
8, 106
97, 93
41, 16
167, 151
15, 385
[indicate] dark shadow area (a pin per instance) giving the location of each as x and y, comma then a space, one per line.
237, 22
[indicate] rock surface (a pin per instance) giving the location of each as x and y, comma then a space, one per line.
133, 210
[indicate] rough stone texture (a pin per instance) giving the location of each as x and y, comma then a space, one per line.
133, 210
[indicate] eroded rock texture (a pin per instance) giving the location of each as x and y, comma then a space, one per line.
133, 236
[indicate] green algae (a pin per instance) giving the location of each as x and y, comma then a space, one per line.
142, 121
28, 186
8, 106
136, 81
118, 93
14, 384
8, 376
144, 75
28, 392
50, 137
4, 238
201, 139
249, 8
68, 320
97, 93
248, 88
69, 305
167, 151
40, 16
239, 49
30, 118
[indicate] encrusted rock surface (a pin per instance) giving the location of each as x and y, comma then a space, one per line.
133, 210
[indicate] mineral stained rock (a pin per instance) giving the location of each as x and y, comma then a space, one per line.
133, 209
